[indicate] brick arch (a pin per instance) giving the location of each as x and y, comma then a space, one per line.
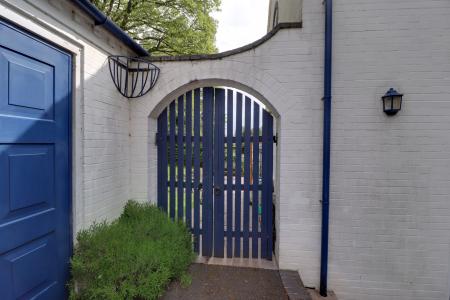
164, 102
288, 87
250, 79
241, 76
266, 90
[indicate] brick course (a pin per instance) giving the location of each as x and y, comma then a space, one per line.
390, 176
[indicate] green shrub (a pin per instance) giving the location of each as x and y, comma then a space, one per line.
134, 257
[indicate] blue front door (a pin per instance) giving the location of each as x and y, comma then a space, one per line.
35, 239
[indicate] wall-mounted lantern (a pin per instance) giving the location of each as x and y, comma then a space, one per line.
392, 102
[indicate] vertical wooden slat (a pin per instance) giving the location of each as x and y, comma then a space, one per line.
246, 176
207, 205
180, 156
267, 161
238, 173
264, 186
159, 161
172, 159
270, 187
230, 173
196, 169
219, 151
189, 159
255, 192
162, 160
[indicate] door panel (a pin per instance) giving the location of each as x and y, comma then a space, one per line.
35, 239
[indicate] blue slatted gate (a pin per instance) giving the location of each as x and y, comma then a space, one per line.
215, 171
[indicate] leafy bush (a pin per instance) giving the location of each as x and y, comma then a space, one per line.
134, 257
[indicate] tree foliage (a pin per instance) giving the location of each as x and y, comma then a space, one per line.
166, 27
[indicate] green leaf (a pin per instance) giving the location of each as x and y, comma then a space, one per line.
166, 27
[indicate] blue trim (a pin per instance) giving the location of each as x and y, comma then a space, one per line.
101, 19
70, 144
326, 146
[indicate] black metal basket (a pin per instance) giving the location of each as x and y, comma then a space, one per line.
133, 77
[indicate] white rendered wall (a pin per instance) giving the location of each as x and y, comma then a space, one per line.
390, 176
100, 166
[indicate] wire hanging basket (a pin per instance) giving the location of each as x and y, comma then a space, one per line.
133, 77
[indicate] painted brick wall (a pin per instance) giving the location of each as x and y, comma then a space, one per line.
390, 182
100, 114
390, 217
287, 73
106, 125
106, 142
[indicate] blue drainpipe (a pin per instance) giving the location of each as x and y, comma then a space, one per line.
326, 146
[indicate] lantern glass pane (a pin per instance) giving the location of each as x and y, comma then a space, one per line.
387, 101
397, 102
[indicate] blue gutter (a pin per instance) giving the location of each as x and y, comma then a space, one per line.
326, 146
101, 19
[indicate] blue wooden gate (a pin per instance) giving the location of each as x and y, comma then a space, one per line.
35, 236
215, 166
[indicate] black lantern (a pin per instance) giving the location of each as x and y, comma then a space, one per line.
392, 102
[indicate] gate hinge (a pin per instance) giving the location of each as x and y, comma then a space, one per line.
275, 139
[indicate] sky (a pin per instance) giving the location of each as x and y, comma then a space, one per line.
240, 23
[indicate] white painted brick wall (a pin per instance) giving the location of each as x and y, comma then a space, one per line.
390, 215
101, 114
390, 176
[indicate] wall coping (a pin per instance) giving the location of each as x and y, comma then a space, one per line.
221, 55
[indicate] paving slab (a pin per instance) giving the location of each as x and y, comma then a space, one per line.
225, 282
294, 286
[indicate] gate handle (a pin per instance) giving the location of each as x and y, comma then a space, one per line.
217, 190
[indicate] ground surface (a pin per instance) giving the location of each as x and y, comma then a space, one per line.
223, 282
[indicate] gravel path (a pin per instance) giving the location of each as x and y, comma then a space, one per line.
229, 283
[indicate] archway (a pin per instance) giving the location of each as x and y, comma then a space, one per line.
215, 169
